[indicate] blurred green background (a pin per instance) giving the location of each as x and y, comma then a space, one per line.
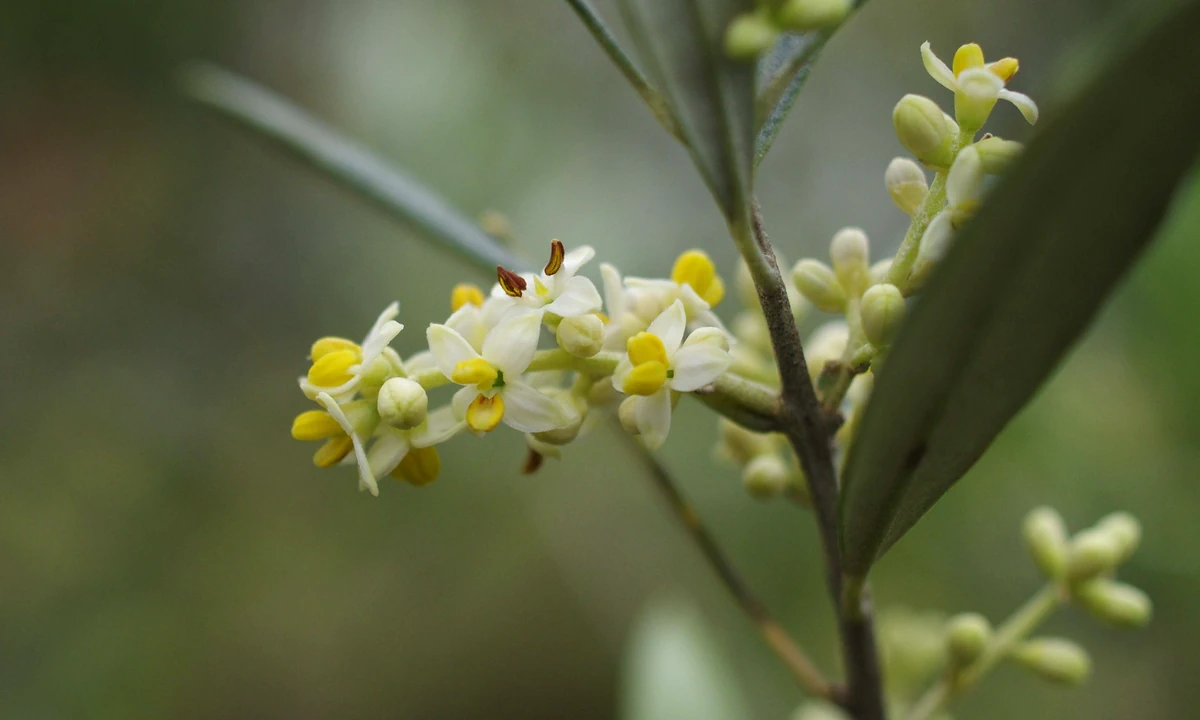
166, 550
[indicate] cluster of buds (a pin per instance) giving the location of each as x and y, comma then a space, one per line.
755, 32
648, 339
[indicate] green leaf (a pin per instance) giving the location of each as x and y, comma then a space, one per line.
1022, 283
782, 72
270, 116
673, 670
711, 96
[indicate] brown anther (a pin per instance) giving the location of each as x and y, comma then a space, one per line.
512, 283
533, 461
557, 253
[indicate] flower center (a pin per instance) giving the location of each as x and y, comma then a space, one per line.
485, 413
649, 358
477, 372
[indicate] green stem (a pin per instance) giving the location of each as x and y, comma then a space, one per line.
902, 265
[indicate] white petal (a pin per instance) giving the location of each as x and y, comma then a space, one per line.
544, 449
937, 69
439, 426
619, 374
577, 258
527, 410
463, 398
614, 291
669, 327
1024, 103
708, 336
420, 362
379, 340
579, 297
468, 322
387, 452
964, 183
652, 284
937, 238
653, 417
511, 344
697, 365
366, 481
448, 348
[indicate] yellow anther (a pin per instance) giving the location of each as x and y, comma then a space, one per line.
646, 348
645, 378
327, 345
332, 452
1004, 68
475, 371
465, 294
557, 253
315, 425
419, 467
968, 56
715, 292
485, 413
333, 368
539, 287
695, 268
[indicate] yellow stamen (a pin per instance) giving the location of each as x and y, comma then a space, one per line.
485, 413
646, 348
645, 378
557, 253
968, 56
332, 452
715, 292
475, 371
695, 268
419, 467
333, 369
1004, 68
465, 294
315, 425
326, 345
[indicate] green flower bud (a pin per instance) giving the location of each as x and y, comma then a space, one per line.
766, 476
1055, 659
813, 14
402, 403
1114, 602
1092, 552
749, 35
582, 336
882, 312
906, 183
922, 129
978, 90
740, 445
850, 251
880, 270
601, 393
626, 413
1046, 536
817, 282
997, 154
967, 635
1126, 532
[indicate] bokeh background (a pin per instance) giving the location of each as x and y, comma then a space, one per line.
166, 550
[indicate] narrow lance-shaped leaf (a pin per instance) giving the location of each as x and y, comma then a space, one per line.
1022, 283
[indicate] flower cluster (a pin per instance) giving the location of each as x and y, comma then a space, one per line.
657, 339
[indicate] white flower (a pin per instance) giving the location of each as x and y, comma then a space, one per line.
557, 289
658, 362
339, 364
630, 310
493, 389
964, 190
977, 85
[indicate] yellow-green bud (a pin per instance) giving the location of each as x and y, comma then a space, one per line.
1046, 536
1055, 659
748, 35
906, 183
922, 129
739, 444
766, 476
967, 636
1126, 532
813, 14
880, 270
1092, 552
601, 393
997, 153
582, 335
626, 413
402, 403
978, 90
882, 312
850, 251
1114, 602
816, 281
567, 433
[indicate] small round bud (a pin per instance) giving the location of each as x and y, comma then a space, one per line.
1092, 552
402, 403
922, 129
906, 183
967, 635
1055, 659
850, 251
739, 444
964, 185
826, 344
817, 282
880, 270
1114, 602
813, 14
882, 313
565, 434
627, 414
749, 35
1046, 536
978, 90
997, 154
766, 476
601, 393
1125, 531
582, 335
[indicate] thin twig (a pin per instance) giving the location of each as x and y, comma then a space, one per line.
807, 675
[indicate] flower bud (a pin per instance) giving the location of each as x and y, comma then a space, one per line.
601, 393
402, 403
565, 434
880, 270
1126, 532
935, 243
882, 312
825, 344
627, 414
1114, 602
1092, 552
748, 35
997, 154
740, 445
805, 15
850, 252
922, 129
816, 281
1055, 659
1046, 536
766, 476
964, 186
906, 183
582, 335
967, 635
978, 90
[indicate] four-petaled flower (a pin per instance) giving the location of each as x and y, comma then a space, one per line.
340, 364
557, 289
977, 85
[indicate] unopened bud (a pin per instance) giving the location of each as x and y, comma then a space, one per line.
850, 251
967, 636
964, 186
813, 14
817, 282
1126, 532
935, 243
1055, 659
997, 153
766, 476
882, 312
402, 403
922, 129
906, 183
748, 35
1092, 552
627, 414
565, 434
1046, 536
1114, 602
582, 335
978, 90
601, 393
880, 270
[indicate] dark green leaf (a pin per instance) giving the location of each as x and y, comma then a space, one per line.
1022, 283
782, 72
